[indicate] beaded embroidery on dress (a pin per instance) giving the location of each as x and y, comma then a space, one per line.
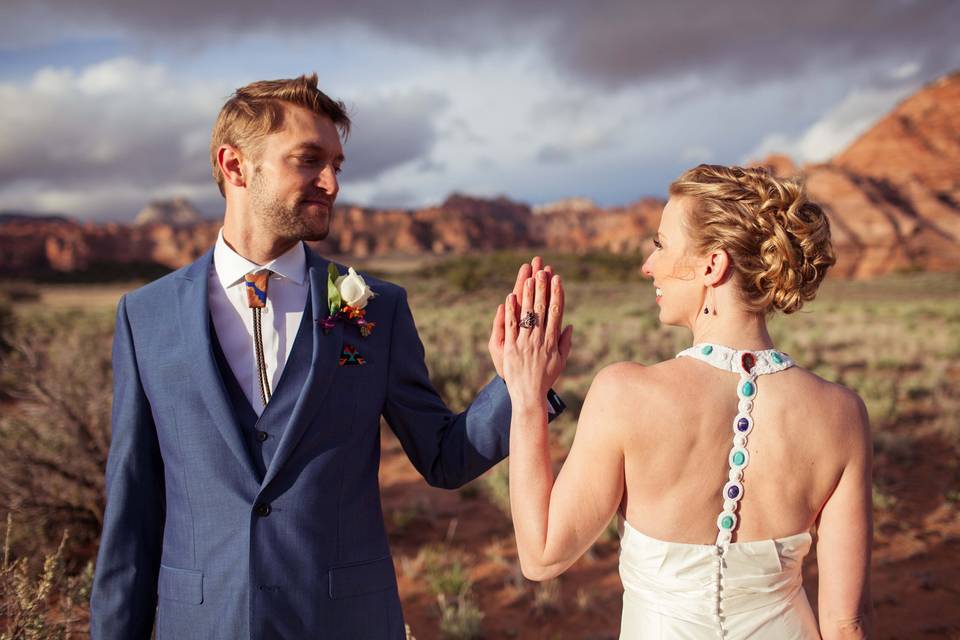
728, 589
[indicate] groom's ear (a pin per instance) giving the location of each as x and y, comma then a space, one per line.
230, 160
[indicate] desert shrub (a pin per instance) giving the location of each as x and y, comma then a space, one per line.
547, 599
43, 603
499, 269
6, 326
106, 272
449, 581
460, 618
55, 435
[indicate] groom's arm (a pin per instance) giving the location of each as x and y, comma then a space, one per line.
447, 449
123, 600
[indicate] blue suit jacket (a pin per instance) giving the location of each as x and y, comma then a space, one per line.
196, 536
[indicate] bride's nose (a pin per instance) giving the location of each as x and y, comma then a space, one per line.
647, 268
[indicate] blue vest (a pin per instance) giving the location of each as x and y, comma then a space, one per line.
262, 434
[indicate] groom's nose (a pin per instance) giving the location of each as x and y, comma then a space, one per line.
327, 180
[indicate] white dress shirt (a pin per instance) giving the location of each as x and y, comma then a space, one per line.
233, 318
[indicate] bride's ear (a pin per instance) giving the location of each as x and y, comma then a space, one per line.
716, 267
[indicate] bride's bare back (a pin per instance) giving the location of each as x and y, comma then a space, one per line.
676, 423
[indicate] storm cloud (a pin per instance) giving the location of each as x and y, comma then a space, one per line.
109, 103
70, 139
609, 43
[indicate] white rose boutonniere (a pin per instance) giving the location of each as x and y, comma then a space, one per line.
353, 289
347, 297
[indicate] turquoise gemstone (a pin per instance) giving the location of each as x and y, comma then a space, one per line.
706, 350
739, 458
776, 357
748, 388
727, 522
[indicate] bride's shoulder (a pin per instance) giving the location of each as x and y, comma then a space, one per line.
627, 378
827, 402
829, 395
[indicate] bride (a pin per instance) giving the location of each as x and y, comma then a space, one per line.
720, 460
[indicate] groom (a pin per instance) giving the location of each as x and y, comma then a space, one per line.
242, 490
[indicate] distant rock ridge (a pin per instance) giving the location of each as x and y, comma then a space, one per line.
893, 198
576, 203
177, 212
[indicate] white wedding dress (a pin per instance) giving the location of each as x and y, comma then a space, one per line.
727, 590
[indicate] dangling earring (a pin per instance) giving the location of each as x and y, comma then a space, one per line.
713, 301
706, 311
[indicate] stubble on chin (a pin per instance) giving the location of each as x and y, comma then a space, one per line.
292, 224
286, 221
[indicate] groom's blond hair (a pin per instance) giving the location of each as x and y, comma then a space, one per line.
257, 109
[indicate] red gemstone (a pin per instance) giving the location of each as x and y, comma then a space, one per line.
748, 361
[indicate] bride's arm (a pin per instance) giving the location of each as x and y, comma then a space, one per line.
845, 535
555, 522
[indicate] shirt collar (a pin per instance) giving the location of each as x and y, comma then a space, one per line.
231, 266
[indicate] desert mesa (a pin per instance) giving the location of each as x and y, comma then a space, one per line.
893, 198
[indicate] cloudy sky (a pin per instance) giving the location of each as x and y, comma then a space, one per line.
106, 104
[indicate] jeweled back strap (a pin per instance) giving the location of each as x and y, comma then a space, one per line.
749, 364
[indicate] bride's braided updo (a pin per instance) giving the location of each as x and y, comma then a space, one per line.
778, 241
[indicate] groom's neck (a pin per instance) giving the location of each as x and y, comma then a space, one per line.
256, 244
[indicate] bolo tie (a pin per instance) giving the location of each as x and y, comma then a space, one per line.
257, 300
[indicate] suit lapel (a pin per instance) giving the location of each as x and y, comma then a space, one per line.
324, 360
194, 316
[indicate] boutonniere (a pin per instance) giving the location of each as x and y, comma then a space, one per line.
347, 298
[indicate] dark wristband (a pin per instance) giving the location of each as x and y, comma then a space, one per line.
556, 405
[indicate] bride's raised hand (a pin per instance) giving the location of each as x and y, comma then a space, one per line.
535, 348
495, 344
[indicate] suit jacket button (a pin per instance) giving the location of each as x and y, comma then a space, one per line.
262, 436
262, 509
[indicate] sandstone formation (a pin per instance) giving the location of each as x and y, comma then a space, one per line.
893, 197
177, 212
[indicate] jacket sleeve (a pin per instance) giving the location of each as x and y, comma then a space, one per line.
124, 596
448, 450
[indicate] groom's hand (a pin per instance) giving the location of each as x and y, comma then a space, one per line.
495, 345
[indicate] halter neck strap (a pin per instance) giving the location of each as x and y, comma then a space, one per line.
751, 363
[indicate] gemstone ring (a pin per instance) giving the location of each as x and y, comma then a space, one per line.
530, 320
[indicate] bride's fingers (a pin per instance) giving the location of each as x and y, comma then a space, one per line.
526, 307
540, 305
522, 275
536, 264
561, 303
497, 331
555, 313
510, 323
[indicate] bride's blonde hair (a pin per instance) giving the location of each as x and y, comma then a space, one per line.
778, 241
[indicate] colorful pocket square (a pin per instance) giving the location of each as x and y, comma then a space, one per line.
350, 356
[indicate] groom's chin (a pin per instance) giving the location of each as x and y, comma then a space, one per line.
315, 236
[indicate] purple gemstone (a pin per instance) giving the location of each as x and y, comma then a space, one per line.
733, 492
743, 424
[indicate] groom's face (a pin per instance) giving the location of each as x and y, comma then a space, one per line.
293, 182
